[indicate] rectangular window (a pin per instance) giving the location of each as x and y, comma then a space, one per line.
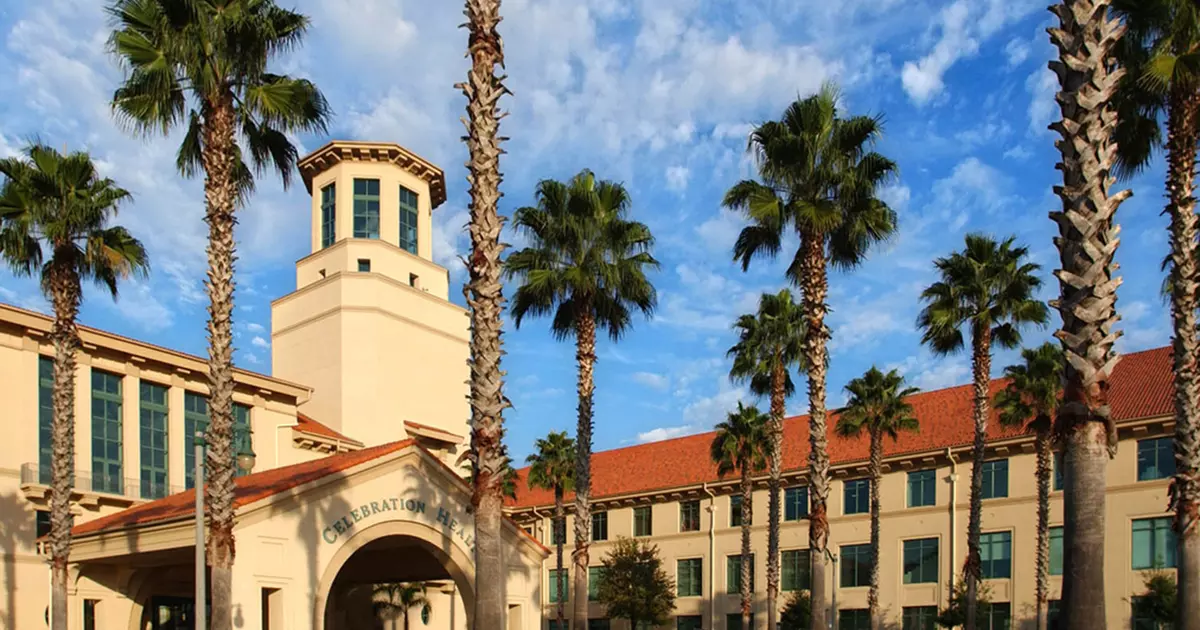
1053, 614
364, 265
689, 516
795, 503
1060, 472
689, 578
243, 436
922, 488
195, 418
599, 624
328, 215
733, 574
999, 616
856, 565
554, 590
152, 429
857, 495
921, 561
995, 551
688, 622
1056, 550
796, 570
408, 220
89, 614
106, 433
1156, 459
41, 523
733, 621
643, 525
919, 618
594, 575
735, 511
366, 208
1153, 543
854, 619
599, 525
45, 418
995, 479
553, 625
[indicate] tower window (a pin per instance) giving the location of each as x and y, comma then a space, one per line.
364, 265
366, 208
328, 215
408, 220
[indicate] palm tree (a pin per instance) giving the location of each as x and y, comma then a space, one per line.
820, 178
989, 288
877, 405
55, 211
394, 598
586, 264
1159, 51
739, 446
552, 467
1030, 400
770, 343
208, 59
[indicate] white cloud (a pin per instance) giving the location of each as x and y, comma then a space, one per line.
1017, 51
971, 185
139, 304
677, 178
896, 196
1042, 85
1018, 152
28, 301
259, 342
255, 327
664, 433
923, 80
450, 239
1133, 311
720, 232
929, 373
654, 381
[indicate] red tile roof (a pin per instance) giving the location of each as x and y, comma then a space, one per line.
1141, 387
305, 424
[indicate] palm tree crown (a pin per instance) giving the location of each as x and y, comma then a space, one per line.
739, 441
1034, 388
772, 337
552, 466
877, 405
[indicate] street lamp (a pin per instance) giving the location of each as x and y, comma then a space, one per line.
245, 462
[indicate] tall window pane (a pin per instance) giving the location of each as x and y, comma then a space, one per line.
854, 619
195, 418
995, 479
857, 496
795, 503
919, 618
366, 208
689, 622
733, 621
688, 578
996, 553
921, 561
45, 418
856, 565
733, 574
152, 430
1156, 459
642, 524
922, 488
408, 220
796, 569
328, 215
242, 436
599, 525
689, 516
594, 575
735, 511
1153, 543
555, 592
1056, 551
106, 433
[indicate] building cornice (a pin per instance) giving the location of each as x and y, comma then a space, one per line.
338, 151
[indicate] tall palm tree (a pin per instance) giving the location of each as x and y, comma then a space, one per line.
1030, 401
819, 178
740, 446
1159, 50
877, 405
989, 289
202, 64
397, 598
586, 265
770, 343
552, 467
55, 214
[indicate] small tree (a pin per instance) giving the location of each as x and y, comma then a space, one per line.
1157, 605
395, 599
634, 585
954, 615
797, 611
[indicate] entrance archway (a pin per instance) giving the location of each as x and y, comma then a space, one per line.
393, 551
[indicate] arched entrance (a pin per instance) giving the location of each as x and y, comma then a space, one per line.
392, 552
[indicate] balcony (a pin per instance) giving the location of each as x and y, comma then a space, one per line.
89, 489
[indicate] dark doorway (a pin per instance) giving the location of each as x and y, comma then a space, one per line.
172, 613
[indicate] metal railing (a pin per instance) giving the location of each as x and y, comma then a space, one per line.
131, 488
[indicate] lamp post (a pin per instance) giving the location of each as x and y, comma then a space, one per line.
245, 461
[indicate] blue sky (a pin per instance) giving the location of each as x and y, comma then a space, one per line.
658, 94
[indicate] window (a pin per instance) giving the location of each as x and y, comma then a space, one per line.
41, 523
1056, 550
922, 488
366, 208
796, 570
89, 614
106, 433
599, 525
553, 625
921, 561
919, 618
995, 550
642, 523
1053, 612
733, 621
689, 516
733, 574
735, 511
1153, 543
689, 577
856, 565
408, 220
364, 265
854, 619
559, 589
152, 428
688, 622
999, 616
598, 624
1156, 459
1060, 473
594, 575
857, 496
995, 479
795, 503
328, 215
242, 436
45, 418
195, 418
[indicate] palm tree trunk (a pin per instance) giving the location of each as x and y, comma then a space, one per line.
747, 520
220, 193
560, 533
1185, 487
775, 462
1044, 456
876, 474
1087, 242
485, 298
585, 356
65, 294
981, 364
814, 286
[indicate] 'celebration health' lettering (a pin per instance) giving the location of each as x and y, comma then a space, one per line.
442, 516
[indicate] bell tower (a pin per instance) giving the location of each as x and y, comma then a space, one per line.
370, 326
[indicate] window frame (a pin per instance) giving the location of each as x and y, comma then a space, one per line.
861, 489
154, 421
108, 427
928, 487
45, 382
794, 508
919, 574
735, 511
991, 487
1056, 532
365, 216
412, 213
647, 512
600, 525
1160, 532
854, 619
594, 575
689, 509
860, 570
987, 546
801, 569
733, 575
552, 584
1163, 453
922, 621
696, 565
328, 214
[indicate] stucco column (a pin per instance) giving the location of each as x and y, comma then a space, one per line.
177, 442
83, 420
131, 463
